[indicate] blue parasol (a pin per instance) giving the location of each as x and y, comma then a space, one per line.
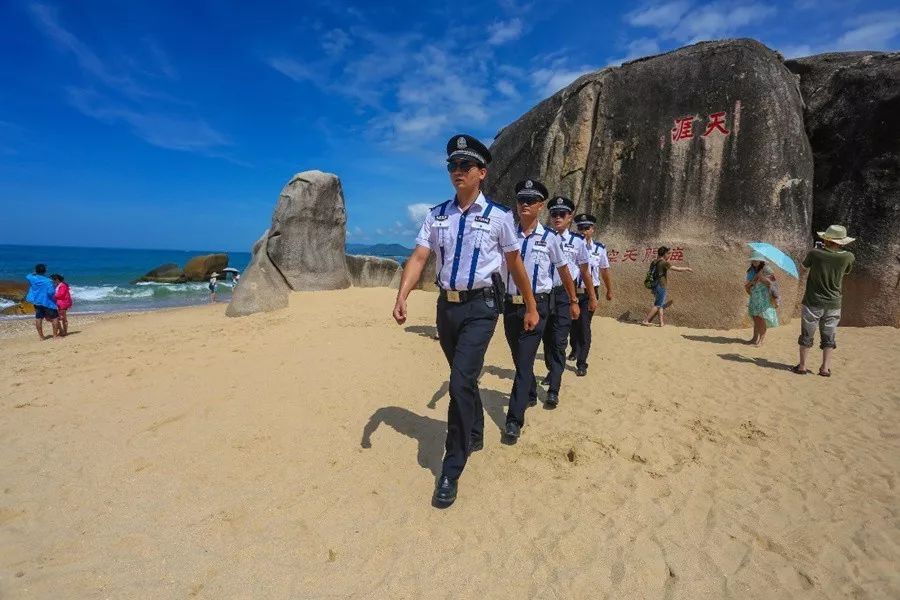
776, 257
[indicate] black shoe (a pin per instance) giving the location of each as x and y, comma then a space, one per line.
532, 402
445, 491
552, 399
581, 371
477, 444
546, 380
512, 432
571, 356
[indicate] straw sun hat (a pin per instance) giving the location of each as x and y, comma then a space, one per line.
836, 234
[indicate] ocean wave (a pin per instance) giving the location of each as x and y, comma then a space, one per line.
4, 303
140, 292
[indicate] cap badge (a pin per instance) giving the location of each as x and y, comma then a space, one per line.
529, 184
461, 142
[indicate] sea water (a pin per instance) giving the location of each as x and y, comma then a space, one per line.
100, 278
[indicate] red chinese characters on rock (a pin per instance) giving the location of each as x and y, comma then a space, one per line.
677, 255
630, 255
648, 255
613, 256
716, 122
684, 126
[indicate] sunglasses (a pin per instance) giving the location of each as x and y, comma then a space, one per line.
462, 165
529, 200
584, 227
559, 214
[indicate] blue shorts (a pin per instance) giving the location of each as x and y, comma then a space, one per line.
659, 296
44, 312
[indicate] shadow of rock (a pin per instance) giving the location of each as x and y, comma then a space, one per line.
759, 362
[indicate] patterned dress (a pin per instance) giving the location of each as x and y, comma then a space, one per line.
760, 304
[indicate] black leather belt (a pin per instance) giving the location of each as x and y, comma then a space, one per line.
517, 299
458, 297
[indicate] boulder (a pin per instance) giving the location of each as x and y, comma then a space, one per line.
373, 271
307, 235
853, 122
167, 273
701, 149
22, 308
13, 290
428, 280
261, 288
201, 268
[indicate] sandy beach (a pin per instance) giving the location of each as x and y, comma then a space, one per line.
183, 454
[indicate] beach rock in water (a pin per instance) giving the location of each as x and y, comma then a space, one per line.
701, 149
373, 271
428, 281
306, 238
853, 121
167, 273
262, 287
201, 268
22, 308
13, 290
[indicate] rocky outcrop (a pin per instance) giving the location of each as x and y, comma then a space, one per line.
373, 271
715, 157
853, 122
21, 308
167, 273
308, 231
201, 268
261, 288
13, 290
428, 280
303, 249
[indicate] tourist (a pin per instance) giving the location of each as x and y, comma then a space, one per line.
822, 300
760, 285
657, 282
213, 285
63, 301
40, 294
470, 236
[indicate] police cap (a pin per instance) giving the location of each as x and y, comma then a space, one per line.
466, 147
560, 203
531, 188
585, 219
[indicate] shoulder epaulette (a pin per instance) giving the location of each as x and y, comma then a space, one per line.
441, 204
578, 235
600, 244
497, 206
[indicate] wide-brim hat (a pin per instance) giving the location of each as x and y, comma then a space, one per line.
836, 234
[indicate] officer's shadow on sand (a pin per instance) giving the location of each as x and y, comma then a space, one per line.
426, 331
430, 433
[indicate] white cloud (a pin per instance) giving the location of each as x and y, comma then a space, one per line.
796, 51
502, 32
638, 48
334, 42
873, 31
687, 22
291, 68
658, 15
417, 212
551, 80
506, 87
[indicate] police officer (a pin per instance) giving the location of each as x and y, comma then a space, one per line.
599, 266
541, 249
470, 236
556, 333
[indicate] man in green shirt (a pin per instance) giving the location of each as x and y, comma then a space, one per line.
822, 300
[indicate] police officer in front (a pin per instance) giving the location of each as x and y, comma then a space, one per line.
541, 249
470, 236
599, 266
556, 333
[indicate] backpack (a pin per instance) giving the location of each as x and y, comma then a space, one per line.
652, 277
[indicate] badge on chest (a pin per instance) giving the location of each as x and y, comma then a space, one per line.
541, 247
481, 223
441, 222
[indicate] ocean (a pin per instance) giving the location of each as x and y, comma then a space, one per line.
99, 278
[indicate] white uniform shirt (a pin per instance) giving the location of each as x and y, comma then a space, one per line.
540, 250
468, 246
597, 259
576, 254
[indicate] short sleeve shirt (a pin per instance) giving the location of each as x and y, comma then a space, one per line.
597, 260
540, 250
576, 254
468, 246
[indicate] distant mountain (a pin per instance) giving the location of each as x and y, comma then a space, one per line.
390, 250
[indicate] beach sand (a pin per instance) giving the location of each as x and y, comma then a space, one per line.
183, 454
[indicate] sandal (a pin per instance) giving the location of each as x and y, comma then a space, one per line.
825, 373
796, 369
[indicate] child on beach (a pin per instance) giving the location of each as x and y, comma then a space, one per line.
657, 282
63, 301
213, 284
760, 285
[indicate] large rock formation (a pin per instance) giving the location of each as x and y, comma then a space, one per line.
306, 239
167, 273
13, 290
262, 287
701, 149
373, 271
853, 122
201, 268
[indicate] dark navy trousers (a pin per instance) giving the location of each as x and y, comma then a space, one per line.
556, 337
523, 345
465, 330
581, 333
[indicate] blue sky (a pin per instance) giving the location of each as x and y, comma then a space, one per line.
173, 124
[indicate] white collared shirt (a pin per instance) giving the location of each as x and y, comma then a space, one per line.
597, 260
540, 250
468, 246
575, 252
